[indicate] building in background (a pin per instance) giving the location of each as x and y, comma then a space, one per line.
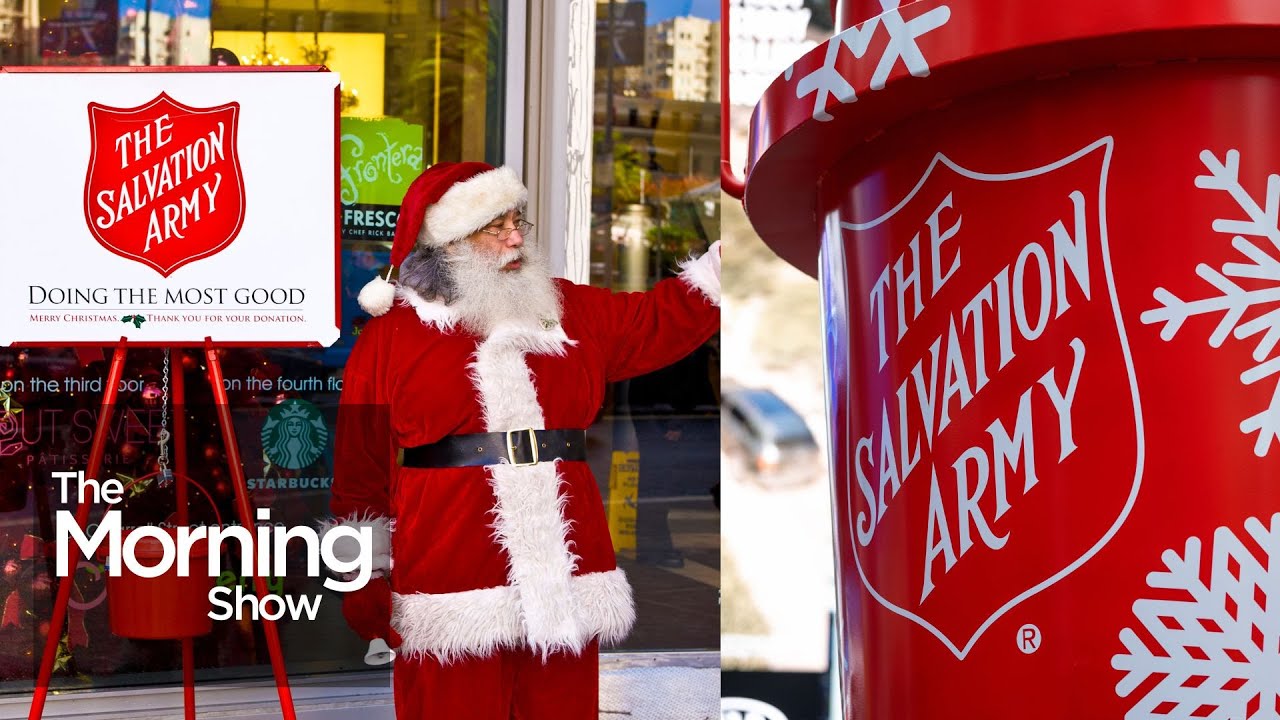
766, 36
664, 199
682, 59
657, 126
174, 32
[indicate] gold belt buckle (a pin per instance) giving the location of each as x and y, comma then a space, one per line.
511, 447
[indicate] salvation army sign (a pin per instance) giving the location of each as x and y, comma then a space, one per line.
982, 346
169, 207
187, 205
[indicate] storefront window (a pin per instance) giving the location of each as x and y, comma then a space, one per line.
422, 83
656, 200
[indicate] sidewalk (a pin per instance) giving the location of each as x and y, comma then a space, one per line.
660, 686
633, 686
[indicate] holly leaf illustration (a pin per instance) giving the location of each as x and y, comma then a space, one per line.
8, 406
137, 320
63, 659
136, 490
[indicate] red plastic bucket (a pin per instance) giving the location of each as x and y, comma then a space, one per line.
165, 607
1048, 237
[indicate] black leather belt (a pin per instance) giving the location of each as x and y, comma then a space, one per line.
516, 447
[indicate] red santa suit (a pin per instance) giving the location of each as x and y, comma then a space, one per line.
502, 572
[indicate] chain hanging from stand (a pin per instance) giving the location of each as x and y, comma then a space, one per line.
162, 437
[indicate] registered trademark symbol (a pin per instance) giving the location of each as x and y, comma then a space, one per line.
1028, 638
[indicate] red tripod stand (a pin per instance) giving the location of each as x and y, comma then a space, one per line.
243, 509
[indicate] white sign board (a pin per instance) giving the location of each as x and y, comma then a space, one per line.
169, 207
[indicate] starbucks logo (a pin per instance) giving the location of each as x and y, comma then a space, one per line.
294, 435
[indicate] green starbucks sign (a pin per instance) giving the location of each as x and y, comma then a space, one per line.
379, 160
294, 435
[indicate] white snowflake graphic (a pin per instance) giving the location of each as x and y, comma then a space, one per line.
1217, 644
1244, 311
827, 81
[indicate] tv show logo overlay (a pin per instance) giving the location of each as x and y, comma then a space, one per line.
294, 435
346, 551
164, 185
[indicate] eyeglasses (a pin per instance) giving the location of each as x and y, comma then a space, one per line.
524, 227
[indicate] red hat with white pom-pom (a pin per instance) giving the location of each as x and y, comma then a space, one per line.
447, 202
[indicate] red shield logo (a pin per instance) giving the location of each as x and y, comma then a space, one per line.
996, 442
164, 185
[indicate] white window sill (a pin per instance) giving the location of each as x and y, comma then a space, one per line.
324, 697
629, 684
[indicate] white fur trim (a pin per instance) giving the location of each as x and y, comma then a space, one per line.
451, 626
430, 312
703, 274
376, 296
471, 204
347, 549
531, 340
529, 520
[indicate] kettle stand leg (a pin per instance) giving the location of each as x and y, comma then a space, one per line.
247, 520
96, 452
178, 411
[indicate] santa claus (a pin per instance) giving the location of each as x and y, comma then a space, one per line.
460, 443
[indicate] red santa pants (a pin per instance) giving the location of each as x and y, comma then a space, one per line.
509, 685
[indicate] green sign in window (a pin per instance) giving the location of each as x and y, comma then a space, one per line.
379, 160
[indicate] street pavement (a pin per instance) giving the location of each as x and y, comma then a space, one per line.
660, 686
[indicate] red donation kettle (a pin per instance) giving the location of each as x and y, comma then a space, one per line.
1048, 238
165, 607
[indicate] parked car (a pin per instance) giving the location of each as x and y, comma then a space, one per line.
771, 438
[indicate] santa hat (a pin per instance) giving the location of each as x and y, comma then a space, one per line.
447, 202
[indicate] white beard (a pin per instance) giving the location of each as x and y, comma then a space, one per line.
487, 295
